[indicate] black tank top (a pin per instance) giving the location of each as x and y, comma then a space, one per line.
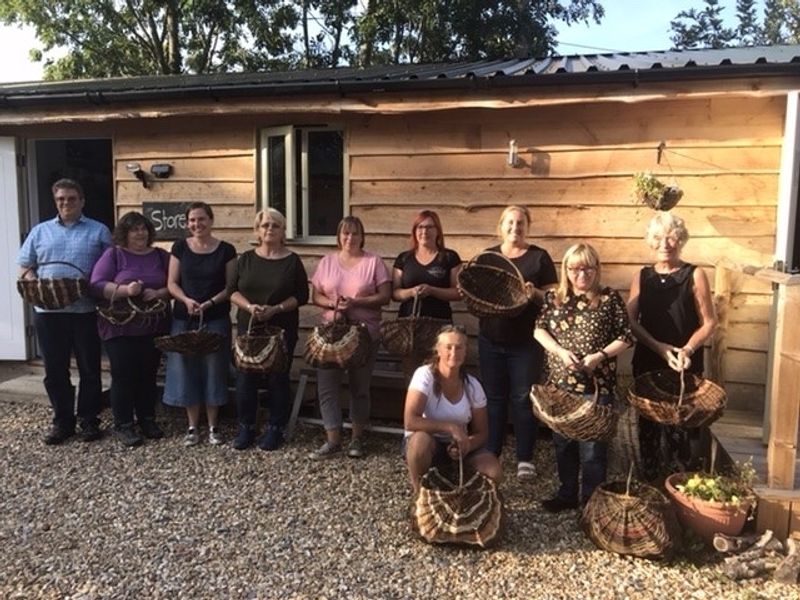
667, 311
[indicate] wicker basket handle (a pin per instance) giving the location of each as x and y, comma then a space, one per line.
683, 388
52, 262
416, 306
508, 264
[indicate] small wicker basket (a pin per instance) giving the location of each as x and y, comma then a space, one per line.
262, 349
492, 286
413, 335
194, 343
573, 415
338, 344
123, 311
52, 293
677, 398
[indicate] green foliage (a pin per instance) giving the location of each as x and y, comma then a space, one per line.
701, 28
733, 489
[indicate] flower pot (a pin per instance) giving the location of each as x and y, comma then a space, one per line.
705, 517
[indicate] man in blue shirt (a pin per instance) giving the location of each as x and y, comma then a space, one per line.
74, 238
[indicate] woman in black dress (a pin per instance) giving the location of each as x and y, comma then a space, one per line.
672, 316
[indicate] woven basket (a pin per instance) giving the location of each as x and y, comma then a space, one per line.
412, 335
573, 415
338, 344
262, 351
53, 293
193, 343
677, 398
125, 310
468, 512
492, 286
666, 200
631, 518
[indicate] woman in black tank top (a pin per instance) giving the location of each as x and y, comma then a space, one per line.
672, 316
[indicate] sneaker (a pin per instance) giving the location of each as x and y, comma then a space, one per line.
356, 448
526, 471
127, 436
215, 437
272, 438
90, 432
57, 435
557, 505
327, 450
191, 438
244, 437
150, 429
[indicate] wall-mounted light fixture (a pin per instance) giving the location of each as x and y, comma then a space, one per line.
135, 169
161, 170
513, 153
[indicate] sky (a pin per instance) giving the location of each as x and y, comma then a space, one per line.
629, 25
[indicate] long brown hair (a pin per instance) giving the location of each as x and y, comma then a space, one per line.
427, 214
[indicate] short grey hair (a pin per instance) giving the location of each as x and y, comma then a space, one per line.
665, 223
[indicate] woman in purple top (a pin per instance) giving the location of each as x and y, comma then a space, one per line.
132, 268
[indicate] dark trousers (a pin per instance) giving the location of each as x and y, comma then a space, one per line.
507, 374
134, 365
60, 335
665, 449
279, 395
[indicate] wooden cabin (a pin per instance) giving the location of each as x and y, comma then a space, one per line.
385, 142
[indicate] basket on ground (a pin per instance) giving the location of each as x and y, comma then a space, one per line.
194, 342
677, 398
338, 344
573, 415
412, 335
492, 286
631, 518
52, 293
465, 512
262, 349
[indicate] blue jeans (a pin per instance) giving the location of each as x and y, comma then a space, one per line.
279, 396
587, 459
134, 364
507, 374
59, 335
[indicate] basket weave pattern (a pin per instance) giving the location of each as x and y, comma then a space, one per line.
657, 396
53, 293
338, 344
573, 415
492, 286
262, 351
193, 343
411, 335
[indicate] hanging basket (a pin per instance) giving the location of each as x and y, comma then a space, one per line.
492, 286
338, 344
655, 194
677, 398
261, 350
467, 512
631, 518
52, 293
197, 342
413, 335
573, 415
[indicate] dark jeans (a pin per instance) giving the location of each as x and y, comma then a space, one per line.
59, 335
134, 365
279, 395
589, 459
665, 449
507, 374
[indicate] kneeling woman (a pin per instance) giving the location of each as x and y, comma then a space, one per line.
445, 412
583, 327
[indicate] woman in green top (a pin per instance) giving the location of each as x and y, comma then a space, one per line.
269, 285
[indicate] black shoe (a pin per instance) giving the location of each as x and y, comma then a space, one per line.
244, 438
272, 438
91, 432
58, 435
150, 429
127, 436
557, 505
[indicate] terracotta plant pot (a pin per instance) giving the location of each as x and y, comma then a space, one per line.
706, 517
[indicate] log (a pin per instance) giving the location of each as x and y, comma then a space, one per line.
788, 571
749, 569
732, 543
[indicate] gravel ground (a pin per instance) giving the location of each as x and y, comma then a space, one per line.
163, 521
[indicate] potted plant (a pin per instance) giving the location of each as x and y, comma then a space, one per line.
709, 503
656, 194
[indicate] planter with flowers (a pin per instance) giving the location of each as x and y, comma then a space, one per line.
656, 194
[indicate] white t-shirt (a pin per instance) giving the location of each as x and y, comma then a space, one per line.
439, 408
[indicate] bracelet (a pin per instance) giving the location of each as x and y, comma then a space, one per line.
211, 300
605, 354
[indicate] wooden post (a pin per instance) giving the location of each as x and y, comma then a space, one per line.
722, 303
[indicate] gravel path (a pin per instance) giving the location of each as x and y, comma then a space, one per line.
163, 521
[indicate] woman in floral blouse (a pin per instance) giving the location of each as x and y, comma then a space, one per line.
583, 326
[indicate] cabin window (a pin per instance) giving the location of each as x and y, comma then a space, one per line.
302, 174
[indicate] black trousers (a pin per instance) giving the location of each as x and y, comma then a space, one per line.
134, 365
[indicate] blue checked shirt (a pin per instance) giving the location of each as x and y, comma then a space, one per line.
81, 244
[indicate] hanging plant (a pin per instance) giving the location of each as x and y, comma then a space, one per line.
654, 193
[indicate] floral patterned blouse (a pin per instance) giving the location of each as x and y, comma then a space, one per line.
583, 329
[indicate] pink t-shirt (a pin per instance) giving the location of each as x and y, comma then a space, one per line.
363, 279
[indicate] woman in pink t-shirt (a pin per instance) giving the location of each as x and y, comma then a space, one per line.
357, 284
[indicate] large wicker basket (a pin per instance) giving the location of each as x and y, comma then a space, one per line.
573, 415
492, 286
196, 342
677, 398
338, 344
262, 349
631, 518
413, 335
52, 293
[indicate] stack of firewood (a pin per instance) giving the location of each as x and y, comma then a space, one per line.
754, 556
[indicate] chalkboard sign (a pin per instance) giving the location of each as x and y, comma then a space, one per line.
169, 218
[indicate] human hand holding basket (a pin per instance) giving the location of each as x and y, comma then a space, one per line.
121, 311
52, 293
338, 344
492, 286
195, 342
262, 351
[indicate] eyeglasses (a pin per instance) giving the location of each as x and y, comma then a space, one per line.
426, 226
270, 225
584, 270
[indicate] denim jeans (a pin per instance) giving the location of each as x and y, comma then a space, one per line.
59, 335
277, 384
134, 364
507, 374
586, 461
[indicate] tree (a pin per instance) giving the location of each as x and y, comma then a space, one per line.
701, 29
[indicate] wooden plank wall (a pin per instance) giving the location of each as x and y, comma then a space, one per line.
577, 164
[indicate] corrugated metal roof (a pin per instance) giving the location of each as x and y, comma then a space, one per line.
574, 69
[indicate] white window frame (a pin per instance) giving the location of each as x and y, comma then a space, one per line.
290, 136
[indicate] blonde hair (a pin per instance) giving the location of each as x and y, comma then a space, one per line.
513, 208
665, 223
586, 255
273, 214
433, 361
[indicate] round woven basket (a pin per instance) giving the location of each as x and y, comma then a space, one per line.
492, 286
412, 335
677, 398
666, 200
338, 344
124, 311
52, 293
197, 342
573, 415
262, 349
